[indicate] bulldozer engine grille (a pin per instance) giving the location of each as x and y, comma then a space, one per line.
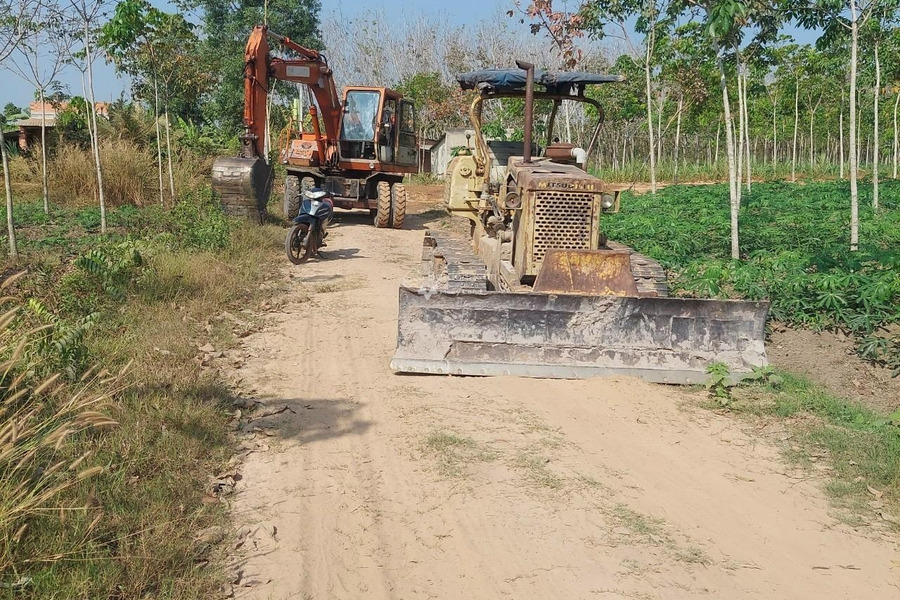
562, 221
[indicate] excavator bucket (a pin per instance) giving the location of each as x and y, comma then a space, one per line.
243, 185
573, 336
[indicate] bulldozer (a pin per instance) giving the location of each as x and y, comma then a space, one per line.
539, 290
359, 153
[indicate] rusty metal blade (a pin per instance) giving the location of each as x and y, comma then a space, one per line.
665, 340
595, 272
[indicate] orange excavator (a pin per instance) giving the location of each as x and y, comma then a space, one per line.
359, 147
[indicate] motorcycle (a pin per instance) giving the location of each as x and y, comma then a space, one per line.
308, 232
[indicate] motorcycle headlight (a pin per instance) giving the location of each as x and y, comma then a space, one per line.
315, 194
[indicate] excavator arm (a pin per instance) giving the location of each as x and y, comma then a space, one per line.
311, 70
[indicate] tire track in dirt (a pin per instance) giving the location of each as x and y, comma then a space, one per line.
385, 486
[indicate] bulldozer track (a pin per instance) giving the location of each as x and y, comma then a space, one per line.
451, 264
649, 275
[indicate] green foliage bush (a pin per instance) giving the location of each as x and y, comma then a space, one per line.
795, 252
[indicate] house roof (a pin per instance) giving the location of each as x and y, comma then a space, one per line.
34, 122
46, 107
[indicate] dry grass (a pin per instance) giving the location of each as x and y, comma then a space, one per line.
455, 454
129, 174
24, 171
38, 421
173, 426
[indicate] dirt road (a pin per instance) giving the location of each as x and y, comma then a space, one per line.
374, 485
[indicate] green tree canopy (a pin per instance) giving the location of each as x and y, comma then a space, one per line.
226, 27
152, 46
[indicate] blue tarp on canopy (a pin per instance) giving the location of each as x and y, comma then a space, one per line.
514, 79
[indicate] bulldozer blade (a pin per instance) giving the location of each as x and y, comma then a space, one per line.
595, 272
243, 185
661, 340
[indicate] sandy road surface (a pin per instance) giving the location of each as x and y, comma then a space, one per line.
380, 486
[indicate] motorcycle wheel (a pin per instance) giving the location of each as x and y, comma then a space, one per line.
299, 244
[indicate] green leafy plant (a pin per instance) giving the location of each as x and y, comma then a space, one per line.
719, 383
766, 375
112, 266
58, 344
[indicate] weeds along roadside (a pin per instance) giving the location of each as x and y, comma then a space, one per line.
856, 448
143, 293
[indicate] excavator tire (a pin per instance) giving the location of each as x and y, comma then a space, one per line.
383, 213
291, 196
293, 193
398, 205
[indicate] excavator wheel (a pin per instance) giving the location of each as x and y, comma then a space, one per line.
398, 205
293, 193
291, 196
383, 213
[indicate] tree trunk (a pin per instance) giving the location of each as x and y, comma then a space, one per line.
159, 167
796, 125
7, 182
650, 114
896, 139
729, 149
718, 132
169, 152
678, 137
659, 130
854, 156
812, 114
45, 181
92, 114
859, 144
774, 135
740, 130
747, 129
875, 164
841, 121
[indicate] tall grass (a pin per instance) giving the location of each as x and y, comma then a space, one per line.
130, 175
38, 420
173, 418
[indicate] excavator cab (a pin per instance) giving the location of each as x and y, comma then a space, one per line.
378, 125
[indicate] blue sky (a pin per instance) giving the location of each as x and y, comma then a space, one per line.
108, 87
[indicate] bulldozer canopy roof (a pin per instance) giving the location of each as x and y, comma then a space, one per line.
506, 80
